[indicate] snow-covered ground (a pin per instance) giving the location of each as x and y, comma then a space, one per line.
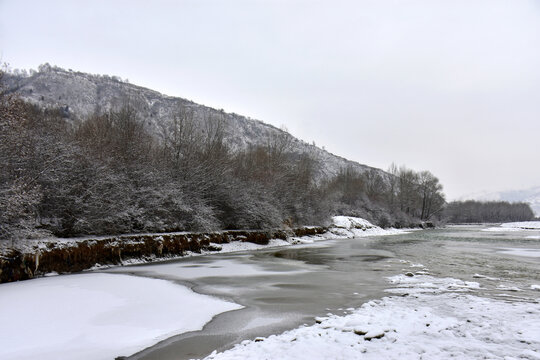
535, 253
97, 316
426, 318
516, 226
100, 316
348, 227
349, 222
342, 227
529, 225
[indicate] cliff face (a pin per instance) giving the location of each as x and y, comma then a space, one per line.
80, 95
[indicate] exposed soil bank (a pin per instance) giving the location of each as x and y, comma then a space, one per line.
77, 255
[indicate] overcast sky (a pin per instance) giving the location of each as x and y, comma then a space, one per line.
449, 86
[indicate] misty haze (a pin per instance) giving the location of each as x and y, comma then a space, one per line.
269, 179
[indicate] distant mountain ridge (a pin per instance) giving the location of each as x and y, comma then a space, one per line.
531, 196
80, 95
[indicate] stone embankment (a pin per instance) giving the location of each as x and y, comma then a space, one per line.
57, 256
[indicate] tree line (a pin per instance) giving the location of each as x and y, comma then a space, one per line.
108, 174
400, 199
472, 211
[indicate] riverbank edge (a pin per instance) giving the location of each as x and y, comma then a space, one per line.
74, 255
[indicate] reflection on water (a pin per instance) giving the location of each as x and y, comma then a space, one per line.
286, 287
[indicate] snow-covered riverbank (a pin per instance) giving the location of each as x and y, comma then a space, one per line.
515, 226
493, 314
342, 227
38, 257
101, 316
97, 316
424, 317
428, 317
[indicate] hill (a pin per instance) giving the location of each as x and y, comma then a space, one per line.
93, 155
80, 95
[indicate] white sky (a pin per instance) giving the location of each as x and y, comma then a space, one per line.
448, 86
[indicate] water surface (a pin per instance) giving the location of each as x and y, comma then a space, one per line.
283, 288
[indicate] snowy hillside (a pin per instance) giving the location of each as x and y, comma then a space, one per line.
79, 95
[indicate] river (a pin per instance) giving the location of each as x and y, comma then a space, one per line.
283, 288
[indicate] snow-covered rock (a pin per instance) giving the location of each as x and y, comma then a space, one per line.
349, 227
349, 222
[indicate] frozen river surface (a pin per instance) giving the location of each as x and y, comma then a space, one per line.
284, 288
462, 292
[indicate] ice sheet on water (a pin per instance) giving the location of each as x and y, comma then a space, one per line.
520, 252
522, 225
97, 316
515, 226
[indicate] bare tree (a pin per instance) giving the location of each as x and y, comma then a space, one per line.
431, 195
